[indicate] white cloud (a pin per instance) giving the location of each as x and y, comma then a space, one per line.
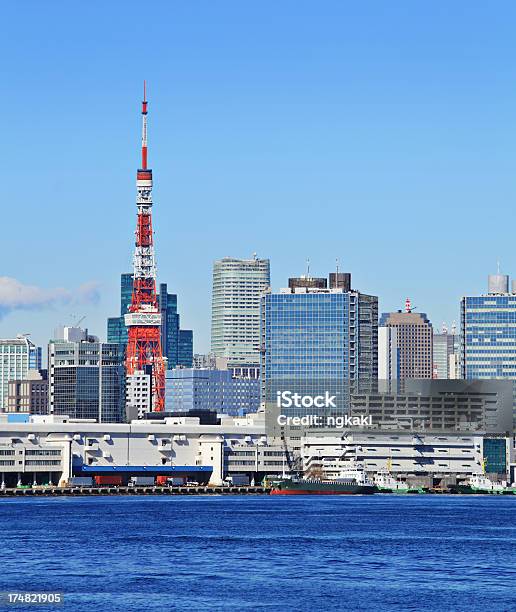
88, 293
14, 295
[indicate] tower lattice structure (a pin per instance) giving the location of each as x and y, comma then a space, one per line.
144, 319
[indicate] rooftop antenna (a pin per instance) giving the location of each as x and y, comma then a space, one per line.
498, 267
77, 319
308, 268
337, 265
408, 305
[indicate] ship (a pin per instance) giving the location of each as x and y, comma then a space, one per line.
481, 484
352, 481
385, 482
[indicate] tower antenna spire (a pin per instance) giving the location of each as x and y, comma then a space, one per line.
144, 127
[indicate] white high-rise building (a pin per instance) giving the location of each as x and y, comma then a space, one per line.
235, 320
17, 357
138, 395
445, 352
388, 354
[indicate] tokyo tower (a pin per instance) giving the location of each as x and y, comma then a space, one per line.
144, 353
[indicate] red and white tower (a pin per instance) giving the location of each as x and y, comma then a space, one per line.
143, 320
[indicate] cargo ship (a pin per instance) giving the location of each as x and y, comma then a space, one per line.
350, 482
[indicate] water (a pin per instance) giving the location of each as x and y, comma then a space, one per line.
377, 552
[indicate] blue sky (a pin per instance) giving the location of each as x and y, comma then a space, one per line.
379, 133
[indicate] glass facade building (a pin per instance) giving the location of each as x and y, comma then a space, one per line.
185, 348
169, 326
177, 344
495, 455
116, 329
488, 336
86, 381
316, 339
189, 389
488, 333
35, 357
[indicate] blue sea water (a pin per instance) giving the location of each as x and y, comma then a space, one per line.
379, 552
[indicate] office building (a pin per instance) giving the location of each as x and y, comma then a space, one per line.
17, 357
185, 348
176, 343
86, 380
388, 354
116, 329
488, 332
235, 323
414, 335
445, 353
138, 394
169, 325
314, 340
35, 358
209, 361
211, 389
29, 395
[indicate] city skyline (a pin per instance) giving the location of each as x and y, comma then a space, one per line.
258, 305
231, 139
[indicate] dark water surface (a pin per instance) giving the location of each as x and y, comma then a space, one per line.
382, 552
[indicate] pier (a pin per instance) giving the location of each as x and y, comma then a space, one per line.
137, 490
